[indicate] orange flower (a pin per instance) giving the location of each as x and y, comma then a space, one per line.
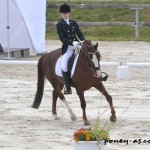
76, 139
92, 134
84, 132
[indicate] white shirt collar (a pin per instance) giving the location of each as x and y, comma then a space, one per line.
67, 21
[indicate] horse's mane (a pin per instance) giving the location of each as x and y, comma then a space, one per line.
88, 42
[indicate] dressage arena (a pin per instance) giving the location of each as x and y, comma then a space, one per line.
22, 127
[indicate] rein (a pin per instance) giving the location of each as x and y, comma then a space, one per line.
89, 62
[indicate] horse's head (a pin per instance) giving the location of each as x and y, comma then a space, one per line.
92, 57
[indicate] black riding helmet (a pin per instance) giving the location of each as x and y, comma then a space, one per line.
65, 8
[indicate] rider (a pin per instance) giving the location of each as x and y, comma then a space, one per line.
68, 30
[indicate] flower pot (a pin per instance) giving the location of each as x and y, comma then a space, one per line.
89, 145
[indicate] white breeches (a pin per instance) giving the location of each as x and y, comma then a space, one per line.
65, 58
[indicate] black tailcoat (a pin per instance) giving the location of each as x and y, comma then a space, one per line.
68, 33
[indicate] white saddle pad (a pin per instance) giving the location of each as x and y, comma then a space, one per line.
58, 69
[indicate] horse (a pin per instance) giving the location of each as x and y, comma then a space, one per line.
86, 75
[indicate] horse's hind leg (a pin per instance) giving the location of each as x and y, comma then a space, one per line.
54, 102
102, 89
72, 115
57, 93
57, 89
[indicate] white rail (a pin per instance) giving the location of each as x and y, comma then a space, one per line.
16, 62
105, 64
110, 64
141, 65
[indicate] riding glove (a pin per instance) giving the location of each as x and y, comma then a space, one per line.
75, 43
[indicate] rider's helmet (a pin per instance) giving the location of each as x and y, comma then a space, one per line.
64, 8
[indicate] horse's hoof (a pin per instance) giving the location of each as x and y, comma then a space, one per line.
74, 118
56, 117
113, 119
86, 123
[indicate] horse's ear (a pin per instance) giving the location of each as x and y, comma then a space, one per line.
96, 45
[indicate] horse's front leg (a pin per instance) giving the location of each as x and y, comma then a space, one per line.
83, 106
102, 89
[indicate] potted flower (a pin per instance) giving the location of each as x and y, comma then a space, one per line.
92, 138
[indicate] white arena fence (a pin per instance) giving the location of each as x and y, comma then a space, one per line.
141, 65
123, 70
16, 62
104, 64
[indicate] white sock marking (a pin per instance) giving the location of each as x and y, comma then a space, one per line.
72, 115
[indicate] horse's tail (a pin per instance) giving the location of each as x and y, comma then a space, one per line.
40, 85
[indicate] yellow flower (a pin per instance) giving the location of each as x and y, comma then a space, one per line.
87, 137
92, 134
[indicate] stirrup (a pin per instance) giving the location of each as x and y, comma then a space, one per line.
105, 77
67, 90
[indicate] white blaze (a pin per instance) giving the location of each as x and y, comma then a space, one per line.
96, 64
95, 61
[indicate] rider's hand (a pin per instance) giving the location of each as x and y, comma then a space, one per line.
77, 44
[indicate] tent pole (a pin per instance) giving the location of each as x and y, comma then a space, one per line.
8, 38
8, 43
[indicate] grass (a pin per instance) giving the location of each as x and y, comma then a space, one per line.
98, 1
112, 33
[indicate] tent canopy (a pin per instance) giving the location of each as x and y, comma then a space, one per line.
27, 22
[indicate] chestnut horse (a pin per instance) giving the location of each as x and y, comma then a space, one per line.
86, 75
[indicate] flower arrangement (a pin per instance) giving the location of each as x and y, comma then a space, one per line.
95, 133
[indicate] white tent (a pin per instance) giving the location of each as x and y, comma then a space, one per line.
27, 22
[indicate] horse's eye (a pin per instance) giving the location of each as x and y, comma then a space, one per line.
90, 56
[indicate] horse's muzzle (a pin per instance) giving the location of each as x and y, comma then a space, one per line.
98, 74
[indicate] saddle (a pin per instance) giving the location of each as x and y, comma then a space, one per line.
71, 60
71, 64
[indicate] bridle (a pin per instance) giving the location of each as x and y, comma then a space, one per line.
94, 53
90, 63
96, 70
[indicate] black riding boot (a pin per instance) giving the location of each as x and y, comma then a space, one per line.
67, 88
